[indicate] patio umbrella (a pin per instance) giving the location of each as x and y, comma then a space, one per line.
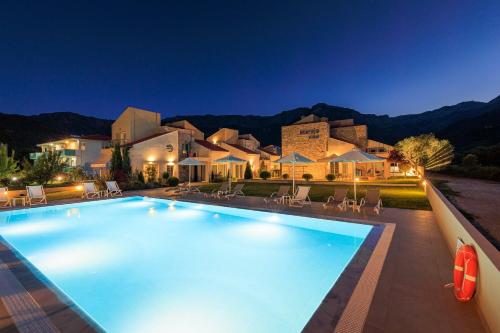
189, 162
230, 159
356, 156
294, 158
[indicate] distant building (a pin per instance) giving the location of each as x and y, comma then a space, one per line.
320, 140
76, 151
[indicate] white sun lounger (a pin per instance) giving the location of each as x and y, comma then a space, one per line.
90, 191
301, 197
35, 195
4, 197
237, 190
113, 189
371, 201
278, 197
339, 199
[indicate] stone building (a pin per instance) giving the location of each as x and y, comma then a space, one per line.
320, 140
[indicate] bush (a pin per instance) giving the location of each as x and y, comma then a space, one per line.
470, 161
265, 174
285, 176
307, 176
173, 181
165, 176
330, 177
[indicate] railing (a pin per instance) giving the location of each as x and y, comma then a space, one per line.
64, 153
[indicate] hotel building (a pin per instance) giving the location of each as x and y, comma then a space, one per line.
164, 146
321, 140
79, 151
153, 146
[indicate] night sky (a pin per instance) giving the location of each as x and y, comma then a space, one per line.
251, 57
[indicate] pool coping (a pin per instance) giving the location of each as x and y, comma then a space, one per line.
343, 310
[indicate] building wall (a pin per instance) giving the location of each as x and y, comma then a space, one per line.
91, 153
254, 159
309, 140
135, 124
338, 147
224, 135
357, 134
156, 151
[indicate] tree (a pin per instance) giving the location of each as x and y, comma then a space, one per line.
248, 171
116, 160
8, 165
395, 156
425, 150
127, 168
470, 161
46, 167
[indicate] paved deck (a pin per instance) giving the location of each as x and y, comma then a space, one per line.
409, 296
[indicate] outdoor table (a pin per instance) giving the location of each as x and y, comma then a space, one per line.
16, 199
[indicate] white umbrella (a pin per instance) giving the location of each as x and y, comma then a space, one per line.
229, 159
294, 158
356, 156
189, 162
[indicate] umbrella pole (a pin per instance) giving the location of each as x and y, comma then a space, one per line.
189, 176
229, 175
354, 179
293, 177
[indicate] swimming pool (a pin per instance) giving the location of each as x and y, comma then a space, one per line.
143, 265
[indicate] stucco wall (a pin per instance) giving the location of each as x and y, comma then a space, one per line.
454, 225
136, 124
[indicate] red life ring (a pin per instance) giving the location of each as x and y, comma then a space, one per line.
465, 273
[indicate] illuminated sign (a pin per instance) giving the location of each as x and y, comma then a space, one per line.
313, 133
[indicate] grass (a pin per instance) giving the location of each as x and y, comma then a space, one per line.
410, 197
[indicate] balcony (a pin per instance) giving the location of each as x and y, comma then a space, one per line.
63, 152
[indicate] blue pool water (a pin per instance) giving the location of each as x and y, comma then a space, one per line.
150, 265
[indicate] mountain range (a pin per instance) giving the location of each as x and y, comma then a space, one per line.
466, 125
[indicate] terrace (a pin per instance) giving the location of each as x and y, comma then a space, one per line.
407, 292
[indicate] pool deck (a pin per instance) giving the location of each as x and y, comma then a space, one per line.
409, 296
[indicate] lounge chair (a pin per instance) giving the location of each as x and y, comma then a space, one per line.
371, 201
90, 191
339, 199
35, 195
216, 193
113, 189
237, 190
4, 197
183, 187
278, 197
301, 197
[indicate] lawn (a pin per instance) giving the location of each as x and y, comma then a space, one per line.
408, 197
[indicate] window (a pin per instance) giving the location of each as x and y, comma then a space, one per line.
170, 170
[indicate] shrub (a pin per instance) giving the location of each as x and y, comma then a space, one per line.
285, 176
165, 175
173, 181
470, 161
307, 176
330, 177
140, 177
248, 171
265, 174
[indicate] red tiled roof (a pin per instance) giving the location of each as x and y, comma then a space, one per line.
243, 149
144, 139
209, 145
96, 137
268, 152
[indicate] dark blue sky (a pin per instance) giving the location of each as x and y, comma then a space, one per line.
251, 57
